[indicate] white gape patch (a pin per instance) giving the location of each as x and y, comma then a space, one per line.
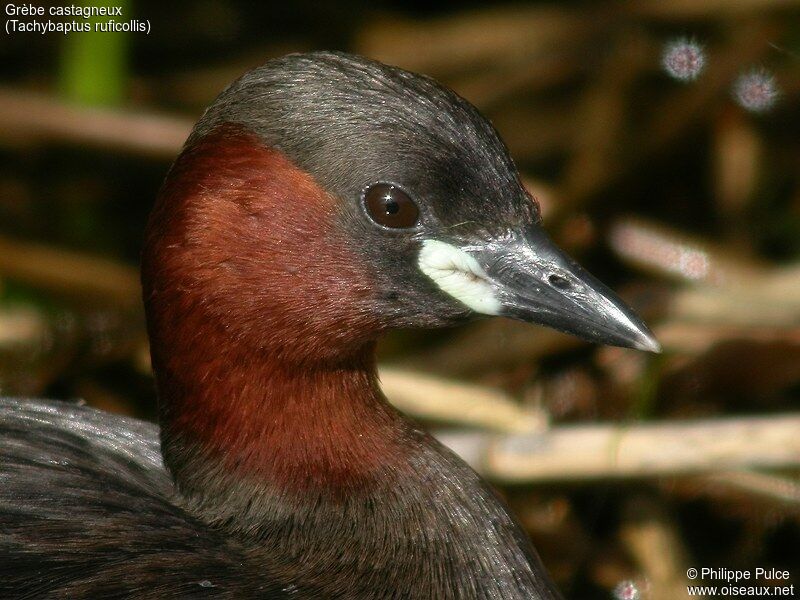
458, 274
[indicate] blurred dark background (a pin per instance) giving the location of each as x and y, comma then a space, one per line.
671, 191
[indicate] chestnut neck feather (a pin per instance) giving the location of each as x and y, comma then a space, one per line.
261, 344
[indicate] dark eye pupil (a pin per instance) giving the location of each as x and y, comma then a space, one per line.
389, 206
392, 207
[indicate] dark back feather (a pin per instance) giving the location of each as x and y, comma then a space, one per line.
86, 511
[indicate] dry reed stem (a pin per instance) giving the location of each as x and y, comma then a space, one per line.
595, 451
727, 291
738, 156
68, 272
784, 490
31, 117
654, 541
698, 338
668, 252
437, 398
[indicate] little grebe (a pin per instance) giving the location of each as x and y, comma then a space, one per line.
320, 201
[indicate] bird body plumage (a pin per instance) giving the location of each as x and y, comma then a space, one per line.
89, 511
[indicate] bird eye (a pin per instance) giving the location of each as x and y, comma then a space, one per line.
388, 205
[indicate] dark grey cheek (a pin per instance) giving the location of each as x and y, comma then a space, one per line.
421, 304
404, 297
396, 273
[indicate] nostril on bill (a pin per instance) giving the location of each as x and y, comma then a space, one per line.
559, 282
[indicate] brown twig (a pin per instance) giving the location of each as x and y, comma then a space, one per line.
458, 43
69, 272
31, 117
710, 9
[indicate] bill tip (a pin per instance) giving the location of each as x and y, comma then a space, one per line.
648, 343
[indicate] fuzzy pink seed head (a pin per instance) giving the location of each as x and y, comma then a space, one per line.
756, 90
627, 590
683, 59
